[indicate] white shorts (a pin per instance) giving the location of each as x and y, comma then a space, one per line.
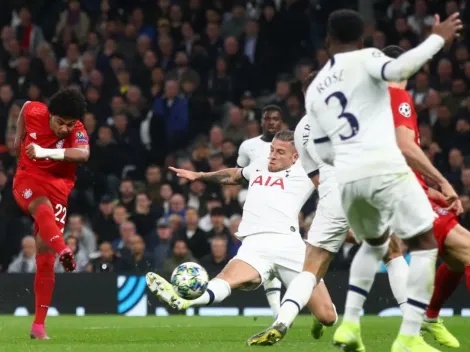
394, 202
273, 255
330, 226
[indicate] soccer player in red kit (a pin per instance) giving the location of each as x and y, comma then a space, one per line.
52, 141
453, 240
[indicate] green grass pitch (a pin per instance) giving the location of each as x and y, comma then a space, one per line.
180, 333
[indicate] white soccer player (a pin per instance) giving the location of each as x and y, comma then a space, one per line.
257, 148
352, 126
269, 230
326, 236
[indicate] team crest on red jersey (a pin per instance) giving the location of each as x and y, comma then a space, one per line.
442, 212
269, 181
27, 193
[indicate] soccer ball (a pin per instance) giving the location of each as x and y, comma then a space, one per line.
189, 280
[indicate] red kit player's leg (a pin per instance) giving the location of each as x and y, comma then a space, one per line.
445, 283
457, 246
48, 230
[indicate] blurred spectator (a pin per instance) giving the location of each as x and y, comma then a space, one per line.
465, 216
81, 257
180, 254
75, 19
26, 260
173, 110
196, 239
236, 22
106, 262
236, 128
465, 179
218, 257
102, 223
29, 34
127, 195
218, 220
145, 215
84, 234
138, 262
177, 205
160, 243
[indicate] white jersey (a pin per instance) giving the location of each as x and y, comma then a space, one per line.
253, 149
348, 105
274, 199
310, 159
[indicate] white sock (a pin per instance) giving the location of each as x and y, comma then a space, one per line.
297, 295
273, 294
398, 270
361, 277
217, 291
420, 286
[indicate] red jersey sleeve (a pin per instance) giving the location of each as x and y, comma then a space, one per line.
402, 108
79, 137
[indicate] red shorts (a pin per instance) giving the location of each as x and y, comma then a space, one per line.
444, 222
27, 187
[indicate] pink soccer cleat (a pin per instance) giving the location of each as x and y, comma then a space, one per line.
67, 259
38, 332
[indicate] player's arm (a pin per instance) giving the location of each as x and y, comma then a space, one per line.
243, 158
232, 176
77, 155
20, 129
322, 142
385, 68
415, 156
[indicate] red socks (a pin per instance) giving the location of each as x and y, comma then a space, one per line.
48, 230
444, 285
43, 285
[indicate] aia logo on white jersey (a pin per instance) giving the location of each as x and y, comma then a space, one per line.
269, 181
405, 109
60, 144
27, 193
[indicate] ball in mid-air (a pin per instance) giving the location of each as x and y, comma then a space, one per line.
189, 280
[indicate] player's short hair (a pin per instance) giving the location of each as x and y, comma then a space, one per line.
308, 80
285, 136
272, 107
68, 103
345, 26
393, 51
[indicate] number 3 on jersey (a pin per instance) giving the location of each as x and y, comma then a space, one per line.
352, 120
60, 213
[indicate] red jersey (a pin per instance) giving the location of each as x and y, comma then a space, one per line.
404, 114
36, 118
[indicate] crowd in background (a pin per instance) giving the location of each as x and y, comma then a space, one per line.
182, 83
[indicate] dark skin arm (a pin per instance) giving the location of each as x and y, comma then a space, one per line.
77, 155
418, 161
20, 130
232, 176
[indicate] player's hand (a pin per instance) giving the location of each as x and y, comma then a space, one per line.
189, 175
457, 207
450, 194
32, 151
449, 28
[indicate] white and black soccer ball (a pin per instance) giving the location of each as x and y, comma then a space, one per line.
405, 109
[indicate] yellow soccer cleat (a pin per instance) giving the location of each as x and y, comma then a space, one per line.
317, 329
404, 343
268, 337
348, 337
440, 333
165, 292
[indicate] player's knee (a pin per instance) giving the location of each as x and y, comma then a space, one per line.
42, 247
40, 204
45, 261
425, 241
327, 315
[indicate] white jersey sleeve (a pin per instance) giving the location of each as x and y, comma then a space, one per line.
382, 67
243, 156
248, 171
302, 142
